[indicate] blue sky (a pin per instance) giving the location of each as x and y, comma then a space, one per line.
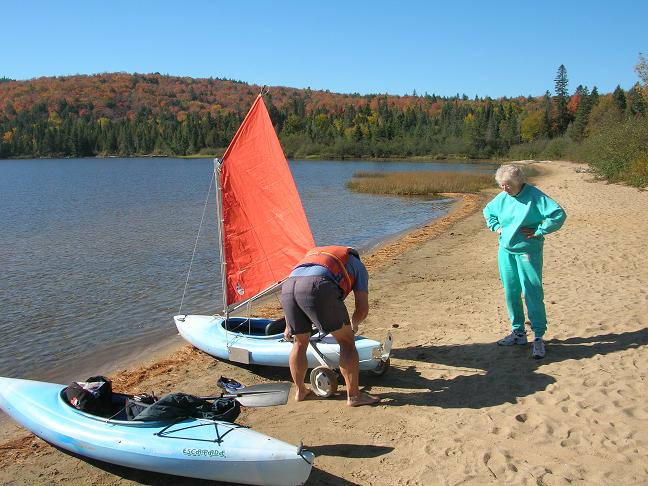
479, 48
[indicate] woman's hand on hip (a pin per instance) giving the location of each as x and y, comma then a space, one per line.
528, 232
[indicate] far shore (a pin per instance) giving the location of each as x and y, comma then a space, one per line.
449, 159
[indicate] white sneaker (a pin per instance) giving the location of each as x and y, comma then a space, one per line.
513, 338
538, 349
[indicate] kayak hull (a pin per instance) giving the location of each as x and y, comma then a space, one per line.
249, 345
195, 448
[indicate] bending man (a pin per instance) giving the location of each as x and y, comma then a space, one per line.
314, 294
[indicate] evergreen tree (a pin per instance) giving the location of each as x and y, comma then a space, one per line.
619, 98
636, 102
582, 116
642, 69
594, 96
548, 115
562, 98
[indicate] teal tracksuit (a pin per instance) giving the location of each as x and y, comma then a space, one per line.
519, 258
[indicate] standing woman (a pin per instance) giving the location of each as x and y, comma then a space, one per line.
522, 215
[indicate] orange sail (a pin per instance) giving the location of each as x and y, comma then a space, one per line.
264, 230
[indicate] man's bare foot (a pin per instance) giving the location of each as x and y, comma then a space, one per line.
300, 396
362, 399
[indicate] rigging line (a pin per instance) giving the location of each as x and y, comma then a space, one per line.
202, 219
249, 312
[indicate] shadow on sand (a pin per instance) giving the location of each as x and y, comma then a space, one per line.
317, 476
490, 382
356, 451
489, 366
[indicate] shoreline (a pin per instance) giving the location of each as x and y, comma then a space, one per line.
447, 159
163, 344
139, 370
455, 407
174, 351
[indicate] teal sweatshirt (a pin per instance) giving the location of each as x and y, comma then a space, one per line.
531, 208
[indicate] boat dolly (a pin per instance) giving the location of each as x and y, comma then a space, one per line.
324, 378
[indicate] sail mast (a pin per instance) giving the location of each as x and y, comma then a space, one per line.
221, 234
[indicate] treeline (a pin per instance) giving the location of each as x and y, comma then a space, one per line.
608, 132
123, 114
39, 132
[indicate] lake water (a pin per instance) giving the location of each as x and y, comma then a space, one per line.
94, 253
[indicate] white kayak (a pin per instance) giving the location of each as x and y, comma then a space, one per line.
259, 341
196, 448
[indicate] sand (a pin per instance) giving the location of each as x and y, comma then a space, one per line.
456, 408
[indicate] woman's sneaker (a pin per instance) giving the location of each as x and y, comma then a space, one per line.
538, 349
513, 338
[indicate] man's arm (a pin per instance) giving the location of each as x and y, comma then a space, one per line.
361, 308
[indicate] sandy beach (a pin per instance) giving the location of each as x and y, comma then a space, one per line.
456, 408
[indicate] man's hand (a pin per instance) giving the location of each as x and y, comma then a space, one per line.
287, 333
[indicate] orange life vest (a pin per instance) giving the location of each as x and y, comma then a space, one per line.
334, 258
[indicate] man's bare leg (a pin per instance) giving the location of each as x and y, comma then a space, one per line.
350, 368
299, 364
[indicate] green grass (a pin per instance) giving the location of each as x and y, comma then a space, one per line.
419, 183
529, 171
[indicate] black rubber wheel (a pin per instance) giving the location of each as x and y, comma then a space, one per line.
324, 381
381, 369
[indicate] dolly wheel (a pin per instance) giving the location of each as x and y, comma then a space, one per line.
381, 369
323, 381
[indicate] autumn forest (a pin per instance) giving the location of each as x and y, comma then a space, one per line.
153, 114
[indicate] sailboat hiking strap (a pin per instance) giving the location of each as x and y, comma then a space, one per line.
278, 326
252, 327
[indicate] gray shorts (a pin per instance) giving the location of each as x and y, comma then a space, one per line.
316, 300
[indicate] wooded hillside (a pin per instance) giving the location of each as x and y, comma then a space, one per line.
147, 114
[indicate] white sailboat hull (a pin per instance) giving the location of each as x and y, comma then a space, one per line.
248, 343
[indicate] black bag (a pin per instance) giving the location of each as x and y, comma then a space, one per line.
181, 405
225, 409
137, 404
92, 396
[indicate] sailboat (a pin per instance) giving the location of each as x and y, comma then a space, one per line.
260, 247
264, 233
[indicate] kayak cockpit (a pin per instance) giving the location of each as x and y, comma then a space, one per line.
254, 326
117, 412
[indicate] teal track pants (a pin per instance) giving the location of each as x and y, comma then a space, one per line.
521, 274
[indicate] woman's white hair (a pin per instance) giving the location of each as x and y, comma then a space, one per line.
510, 173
